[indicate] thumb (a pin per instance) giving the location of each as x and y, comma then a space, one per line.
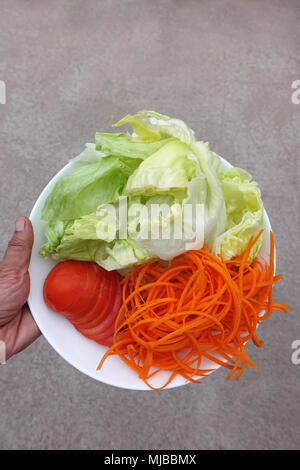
18, 253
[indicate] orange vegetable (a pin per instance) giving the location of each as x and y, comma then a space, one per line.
199, 307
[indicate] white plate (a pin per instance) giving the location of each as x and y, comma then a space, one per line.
80, 352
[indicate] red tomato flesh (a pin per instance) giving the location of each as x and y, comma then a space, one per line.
87, 295
106, 327
102, 305
63, 285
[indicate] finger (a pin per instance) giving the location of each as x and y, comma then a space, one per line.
19, 332
27, 331
17, 255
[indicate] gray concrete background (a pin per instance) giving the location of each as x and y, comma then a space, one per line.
226, 67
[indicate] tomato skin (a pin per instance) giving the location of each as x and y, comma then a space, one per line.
107, 341
106, 327
87, 295
63, 285
100, 309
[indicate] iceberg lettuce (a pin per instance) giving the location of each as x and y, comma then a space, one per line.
244, 214
160, 164
84, 188
152, 126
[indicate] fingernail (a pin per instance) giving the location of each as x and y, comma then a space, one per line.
20, 224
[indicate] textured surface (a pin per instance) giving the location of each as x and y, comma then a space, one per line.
74, 67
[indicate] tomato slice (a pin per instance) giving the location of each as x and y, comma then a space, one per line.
109, 331
63, 285
106, 327
88, 295
102, 304
107, 341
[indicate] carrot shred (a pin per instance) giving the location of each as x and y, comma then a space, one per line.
200, 307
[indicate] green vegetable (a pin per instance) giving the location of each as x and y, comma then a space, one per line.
124, 145
81, 190
62, 247
158, 170
121, 254
152, 126
167, 170
54, 232
244, 214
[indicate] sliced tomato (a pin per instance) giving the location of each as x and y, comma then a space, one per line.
107, 341
88, 295
102, 304
109, 331
64, 284
106, 327
101, 329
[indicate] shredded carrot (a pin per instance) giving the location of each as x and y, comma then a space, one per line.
199, 308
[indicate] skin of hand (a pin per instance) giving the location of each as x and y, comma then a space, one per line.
17, 326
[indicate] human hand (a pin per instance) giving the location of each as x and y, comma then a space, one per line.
17, 326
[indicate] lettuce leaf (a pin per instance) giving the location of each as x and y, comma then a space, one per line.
215, 210
124, 145
84, 188
87, 156
121, 254
165, 171
53, 232
152, 126
61, 247
161, 162
172, 230
244, 214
